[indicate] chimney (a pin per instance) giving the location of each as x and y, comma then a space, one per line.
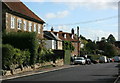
52, 29
72, 31
78, 31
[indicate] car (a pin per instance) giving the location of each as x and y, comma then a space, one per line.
88, 61
94, 61
80, 60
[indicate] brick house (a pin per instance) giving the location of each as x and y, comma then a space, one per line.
64, 36
17, 17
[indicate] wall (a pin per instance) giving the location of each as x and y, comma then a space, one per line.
50, 44
8, 25
59, 43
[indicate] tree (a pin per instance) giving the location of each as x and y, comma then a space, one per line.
111, 39
103, 39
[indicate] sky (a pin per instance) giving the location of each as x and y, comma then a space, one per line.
96, 18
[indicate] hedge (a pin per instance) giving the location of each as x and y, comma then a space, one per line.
23, 40
12, 56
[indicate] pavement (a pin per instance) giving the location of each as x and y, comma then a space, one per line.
37, 71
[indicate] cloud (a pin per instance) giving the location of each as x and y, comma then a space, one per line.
59, 14
93, 34
93, 4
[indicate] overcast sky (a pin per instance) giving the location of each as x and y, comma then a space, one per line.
96, 18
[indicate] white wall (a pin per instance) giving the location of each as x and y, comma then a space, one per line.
50, 44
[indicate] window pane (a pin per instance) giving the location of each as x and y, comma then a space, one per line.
19, 23
39, 28
34, 27
30, 26
12, 22
24, 25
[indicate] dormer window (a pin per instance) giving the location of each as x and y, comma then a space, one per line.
65, 36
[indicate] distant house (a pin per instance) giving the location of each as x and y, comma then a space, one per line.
52, 42
17, 17
64, 36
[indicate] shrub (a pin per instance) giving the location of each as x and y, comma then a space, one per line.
7, 56
12, 56
22, 41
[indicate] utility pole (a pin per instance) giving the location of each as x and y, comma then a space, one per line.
78, 42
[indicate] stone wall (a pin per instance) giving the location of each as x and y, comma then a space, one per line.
59, 62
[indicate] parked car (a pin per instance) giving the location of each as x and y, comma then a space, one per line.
103, 59
94, 61
116, 59
88, 61
80, 60
108, 60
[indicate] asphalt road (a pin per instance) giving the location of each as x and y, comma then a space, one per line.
105, 72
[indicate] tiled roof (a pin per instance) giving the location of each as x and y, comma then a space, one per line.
21, 8
68, 36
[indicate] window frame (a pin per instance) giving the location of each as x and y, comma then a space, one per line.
19, 23
12, 22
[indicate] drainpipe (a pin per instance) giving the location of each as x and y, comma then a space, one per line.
78, 43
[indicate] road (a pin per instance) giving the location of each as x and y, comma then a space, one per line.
105, 72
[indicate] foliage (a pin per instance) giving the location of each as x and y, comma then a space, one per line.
67, 45
111, 39
23, 40
7, 55
95, 57
12, 56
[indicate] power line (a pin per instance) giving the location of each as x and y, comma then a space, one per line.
84, 22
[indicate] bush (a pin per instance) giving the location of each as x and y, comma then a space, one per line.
22, 41
7, 56
12, 56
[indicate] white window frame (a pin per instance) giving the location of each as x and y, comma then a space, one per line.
39, 28
35, 26
72, 37
30, 26
12, 22
25, 25
19, 23
65, 35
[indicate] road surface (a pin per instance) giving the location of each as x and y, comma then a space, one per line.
105, 72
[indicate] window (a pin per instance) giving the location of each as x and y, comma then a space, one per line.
19, 23
72, 36
57, 35
34, 27
12, 22
39, 29
30, 26
65, 36
24, 25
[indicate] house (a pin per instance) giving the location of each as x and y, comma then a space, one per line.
52, 42
64, 36
17, 17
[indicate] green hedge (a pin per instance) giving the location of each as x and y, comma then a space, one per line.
12, 56
23, 40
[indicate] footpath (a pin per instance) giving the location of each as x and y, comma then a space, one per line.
37, 71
